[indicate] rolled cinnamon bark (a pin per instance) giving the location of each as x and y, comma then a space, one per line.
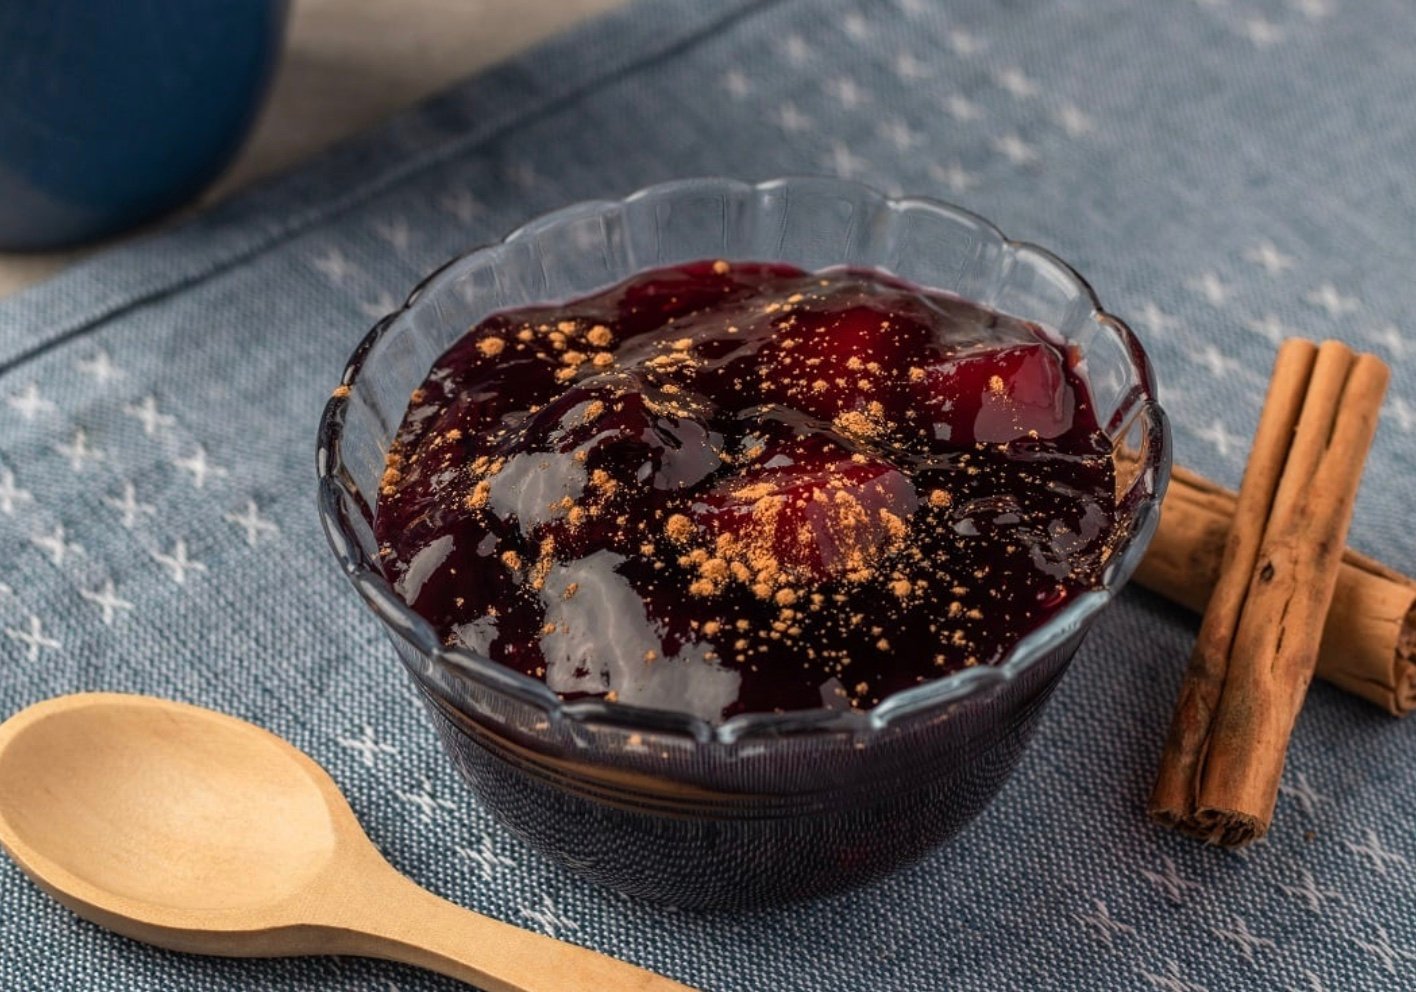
1368, 645
1258, 642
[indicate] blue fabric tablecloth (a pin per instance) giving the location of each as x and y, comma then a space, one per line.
1224, 172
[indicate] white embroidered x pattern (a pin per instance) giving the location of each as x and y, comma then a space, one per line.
1334, 302
1266, 255
100, 367
129, 506
461, 204
1269, 327
367, 745
964, 44
1382, 948
332, 264
953, 176
736, 84
791, 120
28, 402
1220, 437
1239, 934
199, 466
550, 919
11, 495
846, 163
1304, 794
178, 562
796, 50
1308, 892
78, 451
1171, 980
1261, 32
1211, 287
1402, 412
1016, 82
395, 232
1313, 10
1074, 120
57, 545
424, 800
107, 600
1012, 147
1375, 852
145, 411
486, 858
1168, 881
1101, 923
962, 109
1391, 338
33, 638
251, 521
1155, 319
909, 68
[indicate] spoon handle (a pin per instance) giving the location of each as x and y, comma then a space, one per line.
396, 920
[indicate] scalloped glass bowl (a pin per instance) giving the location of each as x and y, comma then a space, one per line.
764, 807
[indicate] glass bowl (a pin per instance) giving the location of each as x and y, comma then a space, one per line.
761, 808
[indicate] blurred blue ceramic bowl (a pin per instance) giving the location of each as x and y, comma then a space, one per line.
114, 112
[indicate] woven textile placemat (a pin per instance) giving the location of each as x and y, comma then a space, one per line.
1224, 173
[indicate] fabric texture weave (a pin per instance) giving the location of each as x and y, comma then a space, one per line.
1224, 174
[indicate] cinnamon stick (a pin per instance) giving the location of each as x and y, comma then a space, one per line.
1258, 642
1368, 645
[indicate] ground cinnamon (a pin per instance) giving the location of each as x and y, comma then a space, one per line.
1258, 643
1369, 641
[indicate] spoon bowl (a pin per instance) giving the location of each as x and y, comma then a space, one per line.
196, 831
195, 814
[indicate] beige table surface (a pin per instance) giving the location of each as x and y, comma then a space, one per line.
351, 63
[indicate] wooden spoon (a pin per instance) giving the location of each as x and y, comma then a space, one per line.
199, 832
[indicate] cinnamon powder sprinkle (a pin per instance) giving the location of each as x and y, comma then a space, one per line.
678, 528
855, 424
601, 480
478, 497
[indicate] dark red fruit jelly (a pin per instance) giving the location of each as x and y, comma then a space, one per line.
740, 488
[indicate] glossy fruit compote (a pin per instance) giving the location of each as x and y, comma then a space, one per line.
738, 488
